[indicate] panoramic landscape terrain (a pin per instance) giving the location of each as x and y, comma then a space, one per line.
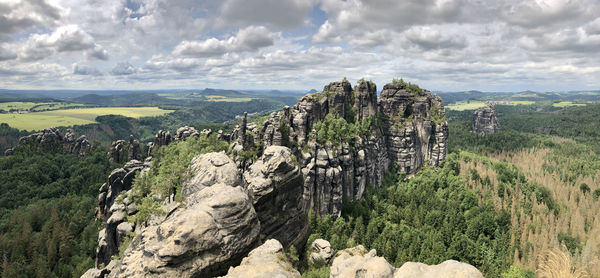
300, 138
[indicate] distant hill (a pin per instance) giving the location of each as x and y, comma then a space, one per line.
124, 100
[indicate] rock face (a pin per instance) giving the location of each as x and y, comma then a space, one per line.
357, 262
52, 138
264, 261
485, 121
185, 132
212, 233
405, 127
275, 184
114, 213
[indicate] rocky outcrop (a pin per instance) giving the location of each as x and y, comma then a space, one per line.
485, 121
185, 132
212, 233
114, 213
404, 127
321, 250
357, 262
275, 184
268, 260
52, 139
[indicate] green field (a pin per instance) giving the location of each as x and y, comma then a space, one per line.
522, 102
36, 106
18, 105
466, 105
226, 99
567, 103
69, 117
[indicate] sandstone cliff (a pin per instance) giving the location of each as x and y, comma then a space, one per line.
485, 121
405, 128
324, 150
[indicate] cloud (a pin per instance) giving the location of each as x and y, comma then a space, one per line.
24, 14
428, 38
277, 14
123, 68
80, 69
68, 38
251, 39
6, 54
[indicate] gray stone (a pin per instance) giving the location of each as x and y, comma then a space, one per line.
268, 260
485, 121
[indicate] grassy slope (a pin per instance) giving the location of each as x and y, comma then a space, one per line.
69, 117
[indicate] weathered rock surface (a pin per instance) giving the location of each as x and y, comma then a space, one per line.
203, 240
485, 121
185, 132
407, 129
113, 213
447, 269
357, 262
275, 184
52, 138
321, 250
268, 260
208, 169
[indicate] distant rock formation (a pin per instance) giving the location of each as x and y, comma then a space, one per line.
52, 138
121, 150
407, 129
485, 121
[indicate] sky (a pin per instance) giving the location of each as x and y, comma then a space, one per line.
443, 45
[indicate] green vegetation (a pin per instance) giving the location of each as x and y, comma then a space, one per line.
335, 129
412, 88
567, 104
168, 173
466, 105
47, 209
69, 117
429, 218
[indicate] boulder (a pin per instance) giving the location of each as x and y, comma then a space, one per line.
202, 240
320, 251
357, 262
447, 269
268, 260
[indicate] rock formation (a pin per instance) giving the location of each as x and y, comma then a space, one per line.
114, 213
268, 260
321, 250
404, 128
233, 205
485, 121
185, 132
357, 262
52, 138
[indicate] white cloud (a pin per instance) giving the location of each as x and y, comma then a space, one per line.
251, 38
124, 68
80, 69
68, 38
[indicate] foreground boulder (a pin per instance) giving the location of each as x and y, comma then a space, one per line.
485, 121
357, 262
268, 260
203, 240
